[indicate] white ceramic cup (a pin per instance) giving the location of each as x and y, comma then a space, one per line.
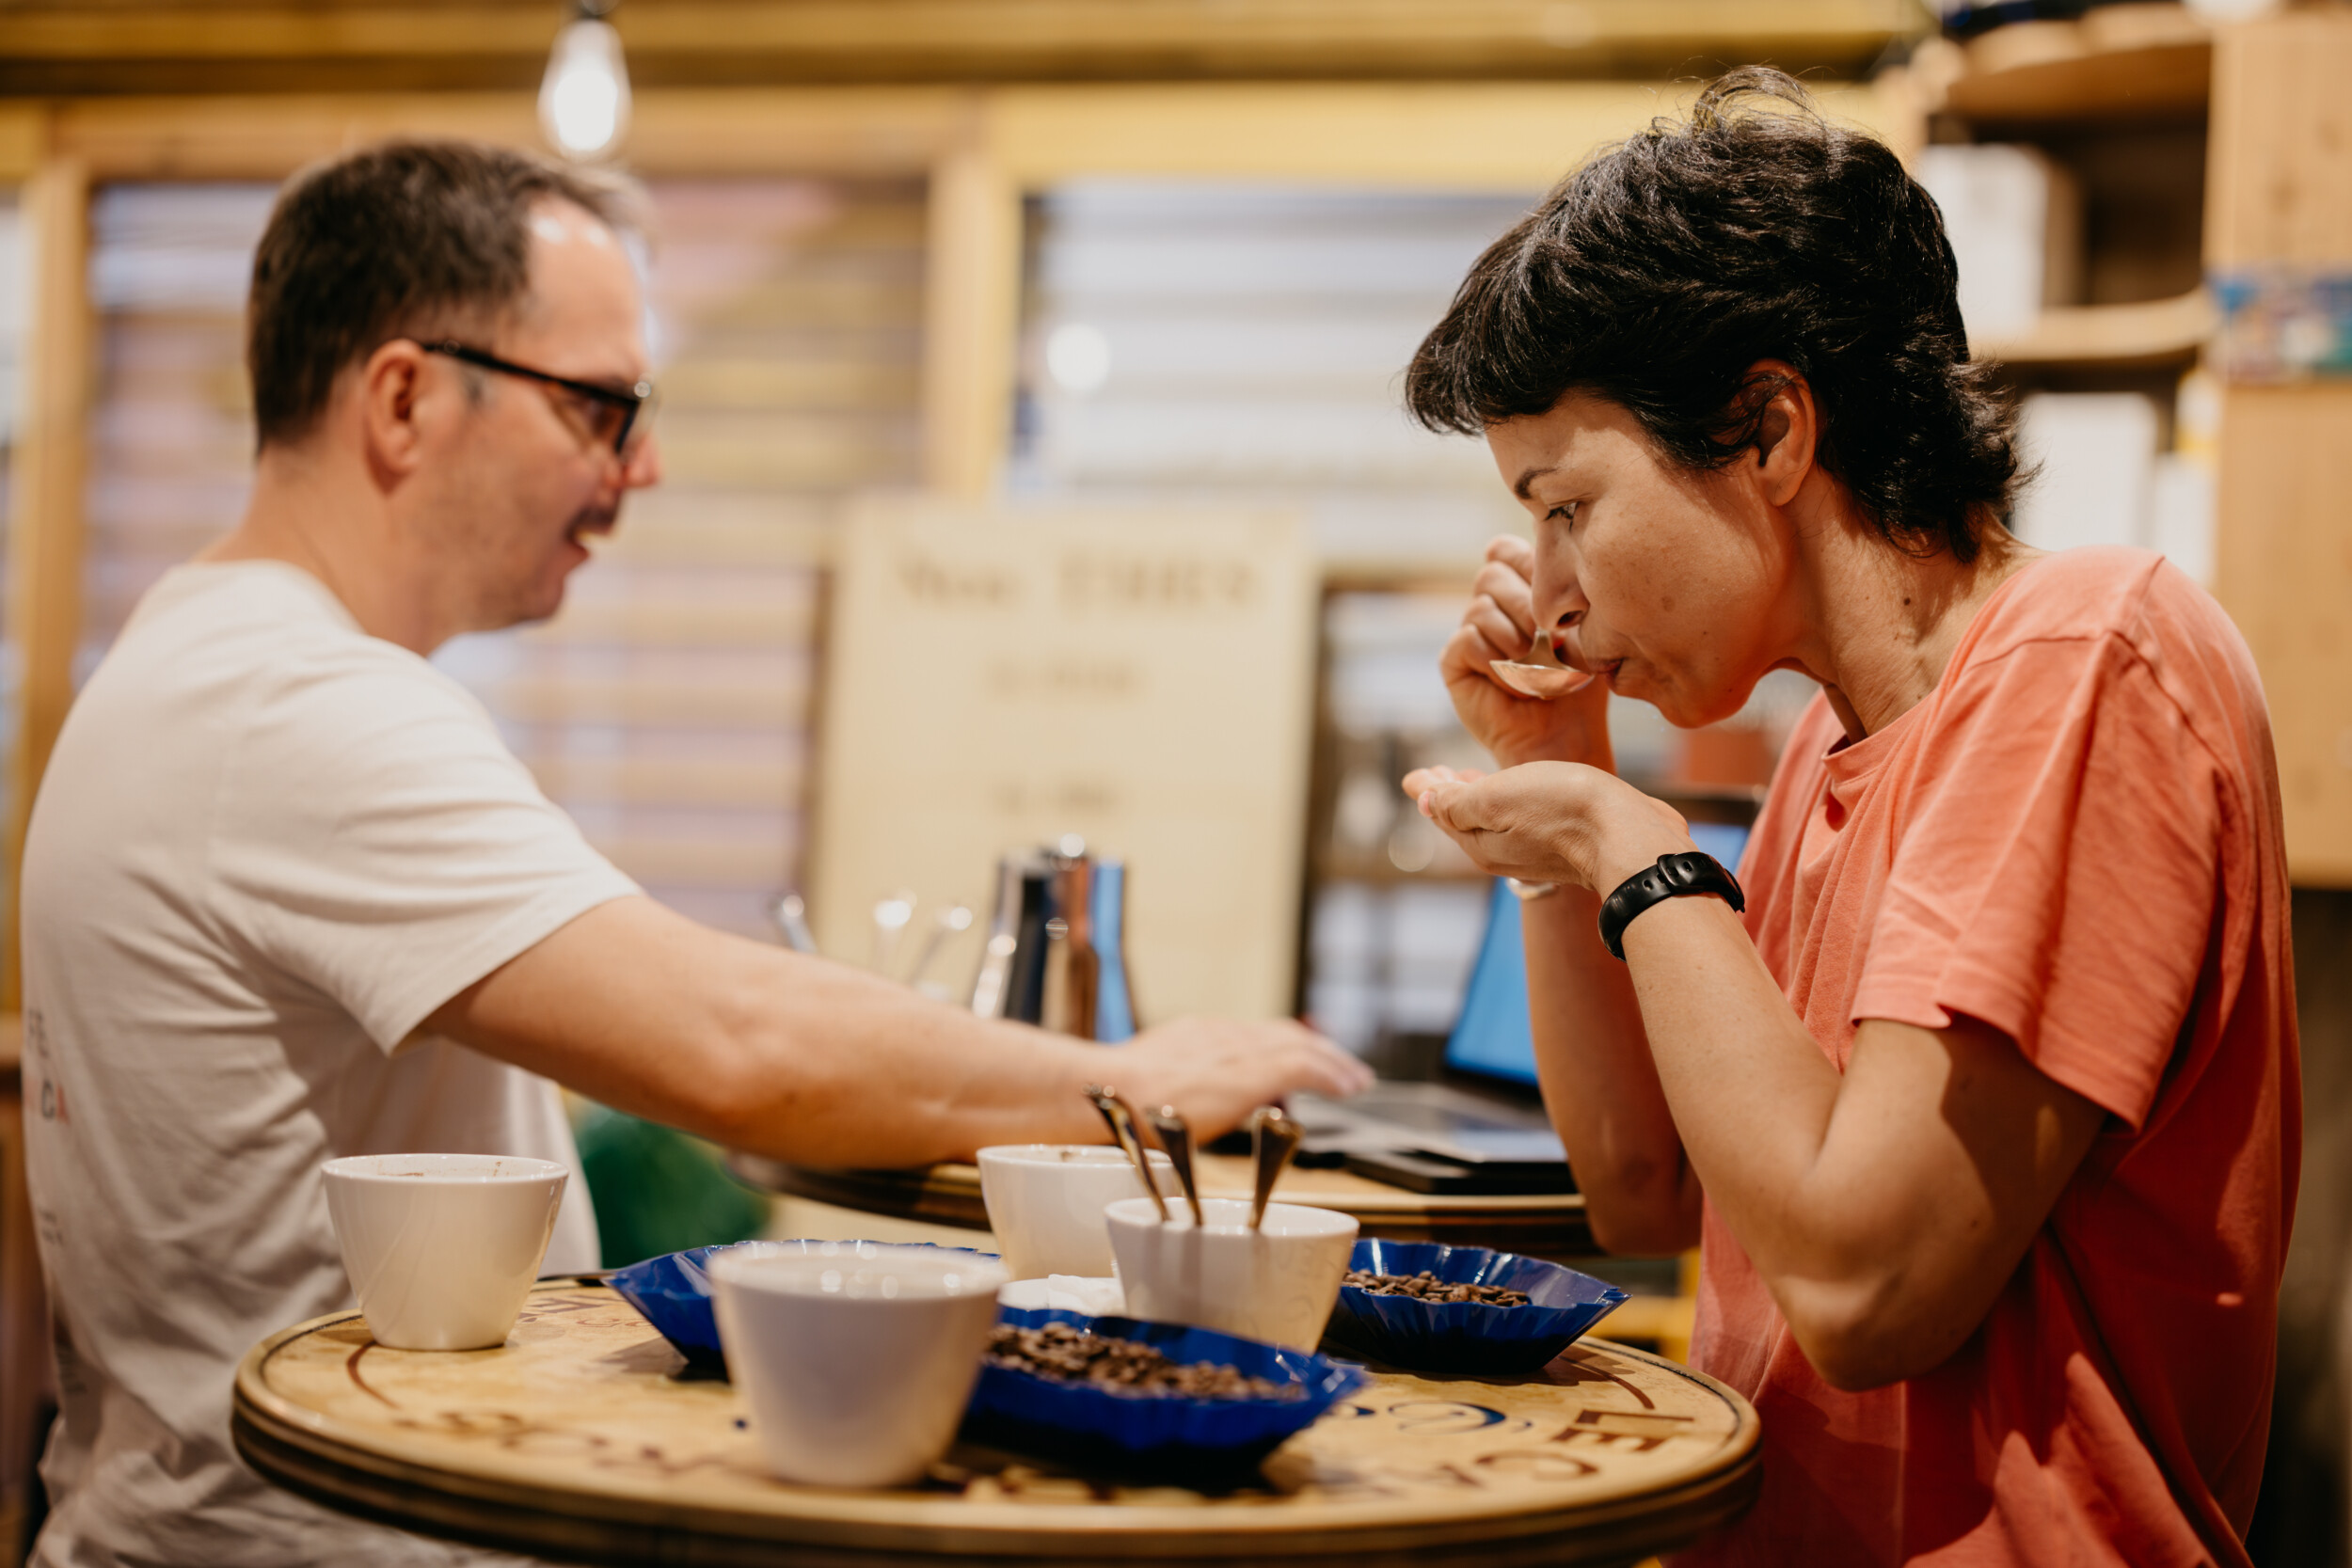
1045, 1203
856, 1358
1277, 1283
441, 1249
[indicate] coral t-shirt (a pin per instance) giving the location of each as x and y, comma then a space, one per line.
2075, 839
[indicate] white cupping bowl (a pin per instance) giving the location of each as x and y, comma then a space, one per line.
1045, 1203
1277, 1283
856, 1360
441, 1249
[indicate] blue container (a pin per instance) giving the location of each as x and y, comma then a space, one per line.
1467, 1336
1212, 1443
673, 1294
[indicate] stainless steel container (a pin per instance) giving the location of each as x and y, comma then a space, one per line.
1057, 946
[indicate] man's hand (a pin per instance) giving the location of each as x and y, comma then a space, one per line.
1499, 623
819, 1064
1217, 1070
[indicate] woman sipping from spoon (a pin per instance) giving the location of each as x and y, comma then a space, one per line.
1980, 1081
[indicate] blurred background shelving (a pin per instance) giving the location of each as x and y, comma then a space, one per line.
2072, 154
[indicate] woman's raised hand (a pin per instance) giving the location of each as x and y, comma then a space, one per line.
1501, 624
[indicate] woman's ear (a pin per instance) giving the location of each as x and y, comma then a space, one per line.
1787, 430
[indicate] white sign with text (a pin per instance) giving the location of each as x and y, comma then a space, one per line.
1141, 679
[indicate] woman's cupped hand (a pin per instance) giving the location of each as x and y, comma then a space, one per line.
1549, 821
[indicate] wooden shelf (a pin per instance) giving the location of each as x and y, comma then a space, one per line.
2158, 332
2118, 63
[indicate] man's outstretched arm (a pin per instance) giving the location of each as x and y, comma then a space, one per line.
642, 1008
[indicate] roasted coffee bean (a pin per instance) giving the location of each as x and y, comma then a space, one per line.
1428, 1287
1122, 1366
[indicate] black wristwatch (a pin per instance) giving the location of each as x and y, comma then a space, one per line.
1673, 877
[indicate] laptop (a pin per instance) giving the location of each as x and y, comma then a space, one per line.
1481, 1128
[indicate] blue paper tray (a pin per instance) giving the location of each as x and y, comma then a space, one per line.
1463, 1336
1143, 1438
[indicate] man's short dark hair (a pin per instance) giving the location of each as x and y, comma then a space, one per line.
404, 239
1657, 273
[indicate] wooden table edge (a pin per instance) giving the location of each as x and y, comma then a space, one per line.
283, 1445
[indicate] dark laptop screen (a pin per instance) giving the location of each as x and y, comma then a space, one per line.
1490, 1034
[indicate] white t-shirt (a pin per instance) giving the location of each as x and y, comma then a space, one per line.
267, 847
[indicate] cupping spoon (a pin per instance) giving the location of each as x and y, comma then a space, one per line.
1540, 674
1175, 1136
1273, 1139
1121, 1118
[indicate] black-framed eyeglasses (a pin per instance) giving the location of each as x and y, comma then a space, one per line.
612, 413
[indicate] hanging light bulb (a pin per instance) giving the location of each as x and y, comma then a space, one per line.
583, 103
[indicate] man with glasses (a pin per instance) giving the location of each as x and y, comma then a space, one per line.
287, 896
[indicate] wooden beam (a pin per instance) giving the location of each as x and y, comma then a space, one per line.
833, 130
84, 48
267, 138
970, 320
23, 140
44, 544
1501, 135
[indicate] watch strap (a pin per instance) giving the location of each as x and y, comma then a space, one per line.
1674, 877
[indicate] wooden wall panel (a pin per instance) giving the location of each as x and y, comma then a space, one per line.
2283, 567
2279, 192
2280, 187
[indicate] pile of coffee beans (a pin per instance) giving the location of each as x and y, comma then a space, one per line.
1122, 1366
1428, 1287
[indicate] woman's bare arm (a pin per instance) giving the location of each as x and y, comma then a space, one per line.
1886, 1207
1592, 1057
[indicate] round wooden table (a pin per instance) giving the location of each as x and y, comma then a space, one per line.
1546, 1224
577, 1439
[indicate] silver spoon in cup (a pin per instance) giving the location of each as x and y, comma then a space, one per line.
1121, 1118
1540, 674
1273, 1139
1175, 1136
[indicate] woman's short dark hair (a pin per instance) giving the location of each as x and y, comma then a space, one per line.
404, 239
1656, 274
